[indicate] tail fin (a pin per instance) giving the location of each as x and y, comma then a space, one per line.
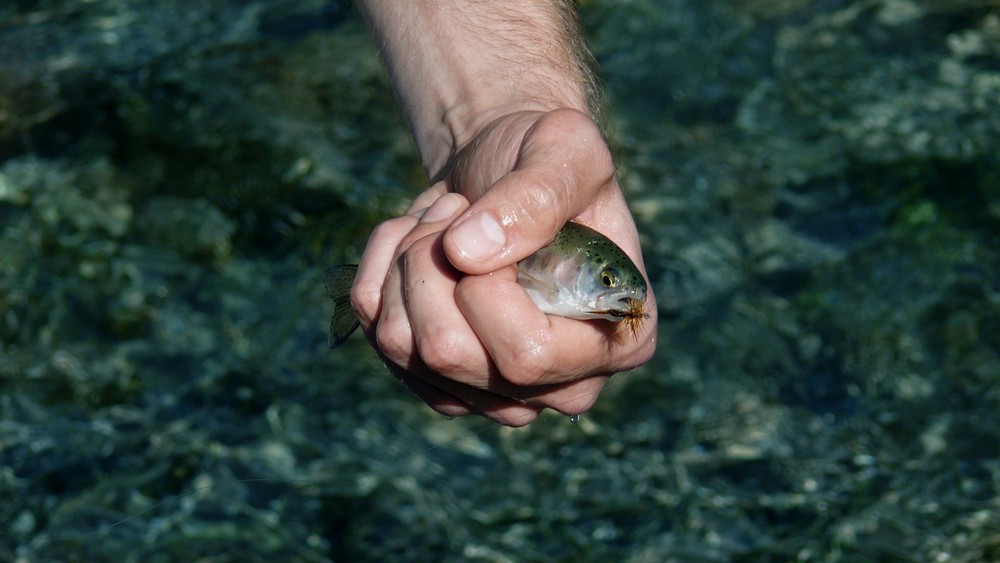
338, 281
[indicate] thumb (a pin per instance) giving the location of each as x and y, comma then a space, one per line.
563, 166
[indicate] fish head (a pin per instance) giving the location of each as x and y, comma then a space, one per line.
619, 292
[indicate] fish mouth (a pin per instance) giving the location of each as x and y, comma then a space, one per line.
616, 306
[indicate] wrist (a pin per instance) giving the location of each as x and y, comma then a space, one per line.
464, 121
459, 66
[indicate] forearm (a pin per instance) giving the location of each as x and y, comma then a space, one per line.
459, 64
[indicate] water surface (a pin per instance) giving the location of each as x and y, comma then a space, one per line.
817, 188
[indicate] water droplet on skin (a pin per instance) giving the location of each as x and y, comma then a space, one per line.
574, 418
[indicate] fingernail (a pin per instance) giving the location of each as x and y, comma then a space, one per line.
419, 213
479, 237
444, 207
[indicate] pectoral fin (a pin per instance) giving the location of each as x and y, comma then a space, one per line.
537, 288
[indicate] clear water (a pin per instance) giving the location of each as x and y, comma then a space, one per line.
816, 186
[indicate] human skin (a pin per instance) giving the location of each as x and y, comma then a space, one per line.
502, 107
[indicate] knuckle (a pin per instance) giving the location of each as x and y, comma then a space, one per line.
529, 363
395, 341
577, 404
545, 205
445, 351
366, 298
547, 194
514, 420
589, 145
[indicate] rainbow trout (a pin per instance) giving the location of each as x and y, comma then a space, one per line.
581, 274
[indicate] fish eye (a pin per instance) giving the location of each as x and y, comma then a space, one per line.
609, 278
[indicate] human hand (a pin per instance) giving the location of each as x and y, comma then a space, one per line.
437, 294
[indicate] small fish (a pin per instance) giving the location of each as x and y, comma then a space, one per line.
580, 275
583, 275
